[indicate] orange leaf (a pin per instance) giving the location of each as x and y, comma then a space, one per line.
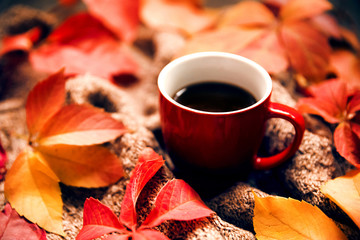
347, 66
23, 42
345, 192
44, 100
121, 17
295, 10
307, 48
281, 218
268, 52
347, 143
248, 14
33, 190
88, 166
230, 39
185, 15
80, 125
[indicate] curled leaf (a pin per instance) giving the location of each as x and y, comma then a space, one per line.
281, 218
345, 192
347, 142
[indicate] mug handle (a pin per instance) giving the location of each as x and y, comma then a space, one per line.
277, 110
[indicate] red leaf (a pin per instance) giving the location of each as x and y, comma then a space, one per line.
68, 2
80, 125
329, 101
46, 99
23, 42
347, 143
3, 160
148, 234
12, 226
149, 163
121, 17
307, 48
176, 201
98, 220
83, 45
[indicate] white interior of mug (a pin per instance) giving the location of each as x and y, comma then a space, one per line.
217, 67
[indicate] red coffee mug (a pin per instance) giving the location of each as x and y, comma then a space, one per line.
221, 140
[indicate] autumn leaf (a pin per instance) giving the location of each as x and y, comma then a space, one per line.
345, 192
182, 15
62, 148
281, 218
347, 66
148, 164
121, 17
338, 104
83, 45
289, 38
3, 160
175, 201
33, 190
23, 42
12, 226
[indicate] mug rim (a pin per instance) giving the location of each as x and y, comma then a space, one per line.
172, 64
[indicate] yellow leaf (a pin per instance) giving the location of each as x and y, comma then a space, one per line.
281, 218
83, 166
33, 190
345, 192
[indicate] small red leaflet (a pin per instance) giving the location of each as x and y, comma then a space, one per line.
175, 201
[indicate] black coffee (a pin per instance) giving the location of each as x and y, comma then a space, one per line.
214, 97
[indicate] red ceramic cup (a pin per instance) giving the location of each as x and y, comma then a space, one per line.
221, 140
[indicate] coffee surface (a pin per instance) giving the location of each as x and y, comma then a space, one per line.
214, 97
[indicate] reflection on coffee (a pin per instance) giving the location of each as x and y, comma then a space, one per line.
214, 97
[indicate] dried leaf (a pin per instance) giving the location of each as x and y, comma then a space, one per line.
149, 163
62, 148
32, 189
307, 48
23, 42
44, 100
345, 192
183, 15
347, 66
80, 166
98, 220
80, 125
281, 218
347, 143
83, 45
329, 101
12, 226
121, 17
176, 201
